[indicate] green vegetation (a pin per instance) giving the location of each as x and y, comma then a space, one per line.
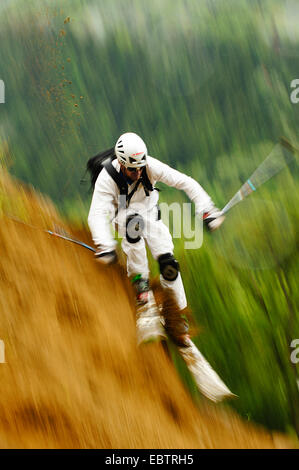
207, 84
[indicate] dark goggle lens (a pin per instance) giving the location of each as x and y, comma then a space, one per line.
134, 170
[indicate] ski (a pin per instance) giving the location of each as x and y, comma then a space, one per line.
207, 380
150, 327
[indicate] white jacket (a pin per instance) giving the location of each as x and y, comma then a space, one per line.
104, 204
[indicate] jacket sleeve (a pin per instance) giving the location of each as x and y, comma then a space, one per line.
102, 211
167, 175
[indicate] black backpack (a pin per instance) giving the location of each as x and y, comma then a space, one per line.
95, 164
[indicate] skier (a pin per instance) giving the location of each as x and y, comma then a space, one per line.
124, 194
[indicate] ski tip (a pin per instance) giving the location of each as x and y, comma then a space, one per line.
228, 397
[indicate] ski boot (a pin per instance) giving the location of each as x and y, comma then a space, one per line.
142, 289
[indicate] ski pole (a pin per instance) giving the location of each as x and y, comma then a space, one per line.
54, 234
281, 155
78, 242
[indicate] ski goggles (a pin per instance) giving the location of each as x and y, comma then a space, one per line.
134, 170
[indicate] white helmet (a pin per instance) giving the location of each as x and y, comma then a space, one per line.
131, 151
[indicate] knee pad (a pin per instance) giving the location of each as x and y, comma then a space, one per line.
134, 228
169, 267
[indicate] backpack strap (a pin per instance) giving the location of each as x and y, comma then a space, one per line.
116, 176
122, 184
147, 185
129, 196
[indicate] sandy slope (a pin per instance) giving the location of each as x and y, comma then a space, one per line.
73, 376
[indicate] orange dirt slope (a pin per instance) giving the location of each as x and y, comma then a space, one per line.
73, 376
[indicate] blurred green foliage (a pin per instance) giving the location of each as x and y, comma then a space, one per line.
207, 85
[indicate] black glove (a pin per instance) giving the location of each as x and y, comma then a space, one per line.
106, 257
213, 219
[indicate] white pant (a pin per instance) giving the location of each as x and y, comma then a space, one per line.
158, 238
